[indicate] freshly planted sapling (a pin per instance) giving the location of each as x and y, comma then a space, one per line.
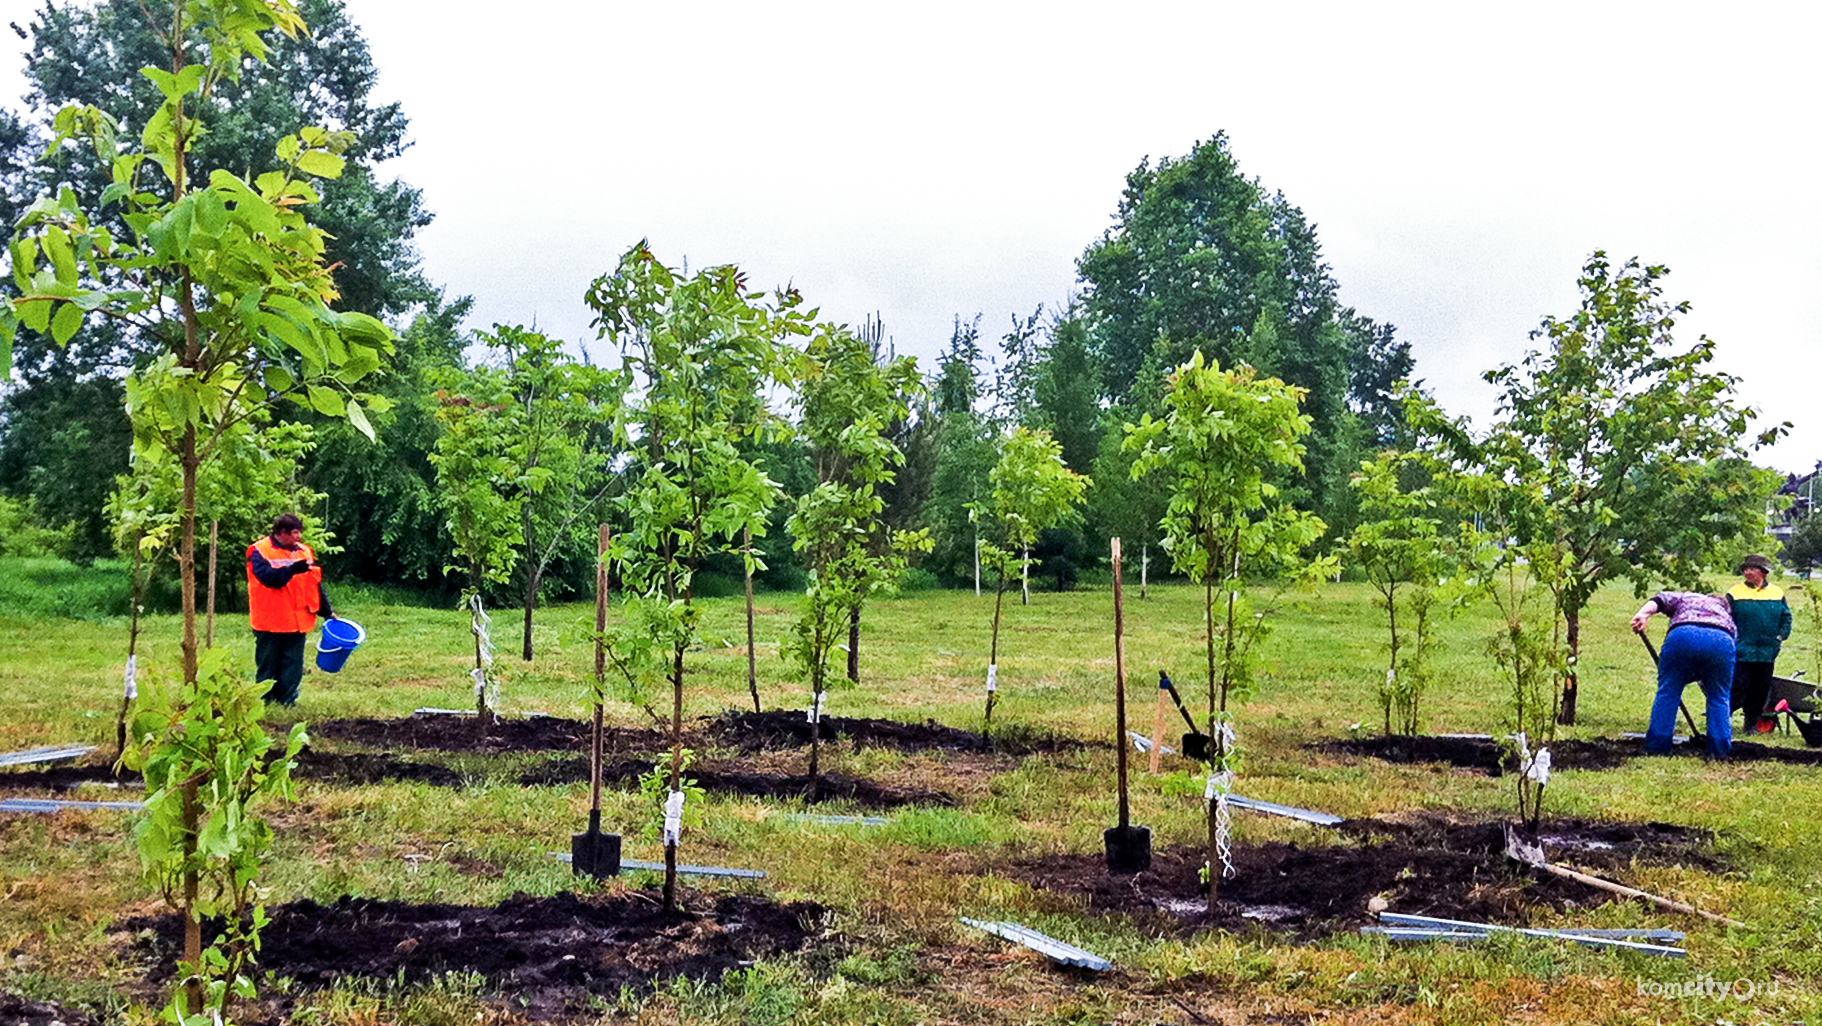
701, 350
850, 400
1223, 433
1032, 490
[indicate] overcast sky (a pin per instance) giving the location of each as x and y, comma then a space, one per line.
1460, 161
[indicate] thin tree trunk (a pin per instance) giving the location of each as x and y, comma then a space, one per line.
993, 657
1144, 571
186, 553
854, 644
1025, 576
192, 926
670, 842
214, 549
1573, 621
531, 576
752, 654
977, 566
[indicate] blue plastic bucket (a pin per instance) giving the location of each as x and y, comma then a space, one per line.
340, 637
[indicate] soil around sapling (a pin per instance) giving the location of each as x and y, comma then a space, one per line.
784, 729
546, 955
444, 732
1426, 866
830, 786
1600, 753
312, 764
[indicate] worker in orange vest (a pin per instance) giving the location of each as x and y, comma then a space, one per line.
284, 597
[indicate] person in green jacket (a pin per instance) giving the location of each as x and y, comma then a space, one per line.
1763, 618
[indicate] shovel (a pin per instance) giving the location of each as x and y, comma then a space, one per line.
1695, 735
1195, 743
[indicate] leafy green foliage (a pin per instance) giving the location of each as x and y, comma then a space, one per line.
850, 401
23, 533
1635, 447
1403, 544
208, 764
1223, 433
1031, 490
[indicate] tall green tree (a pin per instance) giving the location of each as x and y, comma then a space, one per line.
702, 350
230, 279
1204, 259
63, 432
1223, 434
1639, 446
964, 448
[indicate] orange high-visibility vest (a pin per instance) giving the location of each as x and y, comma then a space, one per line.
292, 608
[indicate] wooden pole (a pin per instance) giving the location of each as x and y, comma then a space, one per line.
1119, 687
597, 749
214, 548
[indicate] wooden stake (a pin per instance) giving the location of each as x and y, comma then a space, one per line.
752, 656
597, 751
1119, 687
1632, 892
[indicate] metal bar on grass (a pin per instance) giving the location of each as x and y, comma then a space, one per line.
54, 805
834, 820
1287, 811
1585, 940
50, 753
1049, 947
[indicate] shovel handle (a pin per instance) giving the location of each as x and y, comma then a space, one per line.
1165, 683
1646, 638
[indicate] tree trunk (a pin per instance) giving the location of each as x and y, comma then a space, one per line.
1119, 687
670, 843
854, 644
1144, 571
597, 755
186, 552
993, 657
214, 550
532, 576
752, 655
192, 926
1573, 622
1024, 577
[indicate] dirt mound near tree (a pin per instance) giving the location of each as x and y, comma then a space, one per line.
19, 1011
831, 786
1427, 867
1597, 753
450, 733
547, 954
791, 729
312, 764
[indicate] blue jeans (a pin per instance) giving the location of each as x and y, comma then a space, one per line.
1704, 655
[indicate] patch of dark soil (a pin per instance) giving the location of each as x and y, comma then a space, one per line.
790, 729
371, 768
68, 778
1427, 867
1598, 753
549, 953
312, 764
832, 786
459, 734
19, 1011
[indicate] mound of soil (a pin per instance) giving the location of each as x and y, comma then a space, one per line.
832, 786
338, 767
1570, 753
1454, 871
791, 729
459, 734
549, 953
19, 1011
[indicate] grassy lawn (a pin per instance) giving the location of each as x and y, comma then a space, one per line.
897, 890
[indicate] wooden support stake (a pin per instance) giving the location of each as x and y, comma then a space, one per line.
1119, 677
1633, 892
214, 548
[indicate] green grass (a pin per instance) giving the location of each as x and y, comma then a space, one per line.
898, 889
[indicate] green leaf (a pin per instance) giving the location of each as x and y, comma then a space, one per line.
279, 379
66, 323
320, 164
327, 401
358, 418
36, 314
63, 255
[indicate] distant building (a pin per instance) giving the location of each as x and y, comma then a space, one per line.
1804, 492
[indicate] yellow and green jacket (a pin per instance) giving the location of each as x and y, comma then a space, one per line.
1763, 617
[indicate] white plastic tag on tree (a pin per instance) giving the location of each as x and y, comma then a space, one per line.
673, 818
1391, 677
1538, 769
132, 678
814, 713
993, 677
480, 680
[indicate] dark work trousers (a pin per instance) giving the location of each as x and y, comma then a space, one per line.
278, 656
1751, 688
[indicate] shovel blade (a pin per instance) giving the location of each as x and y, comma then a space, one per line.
595, 854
